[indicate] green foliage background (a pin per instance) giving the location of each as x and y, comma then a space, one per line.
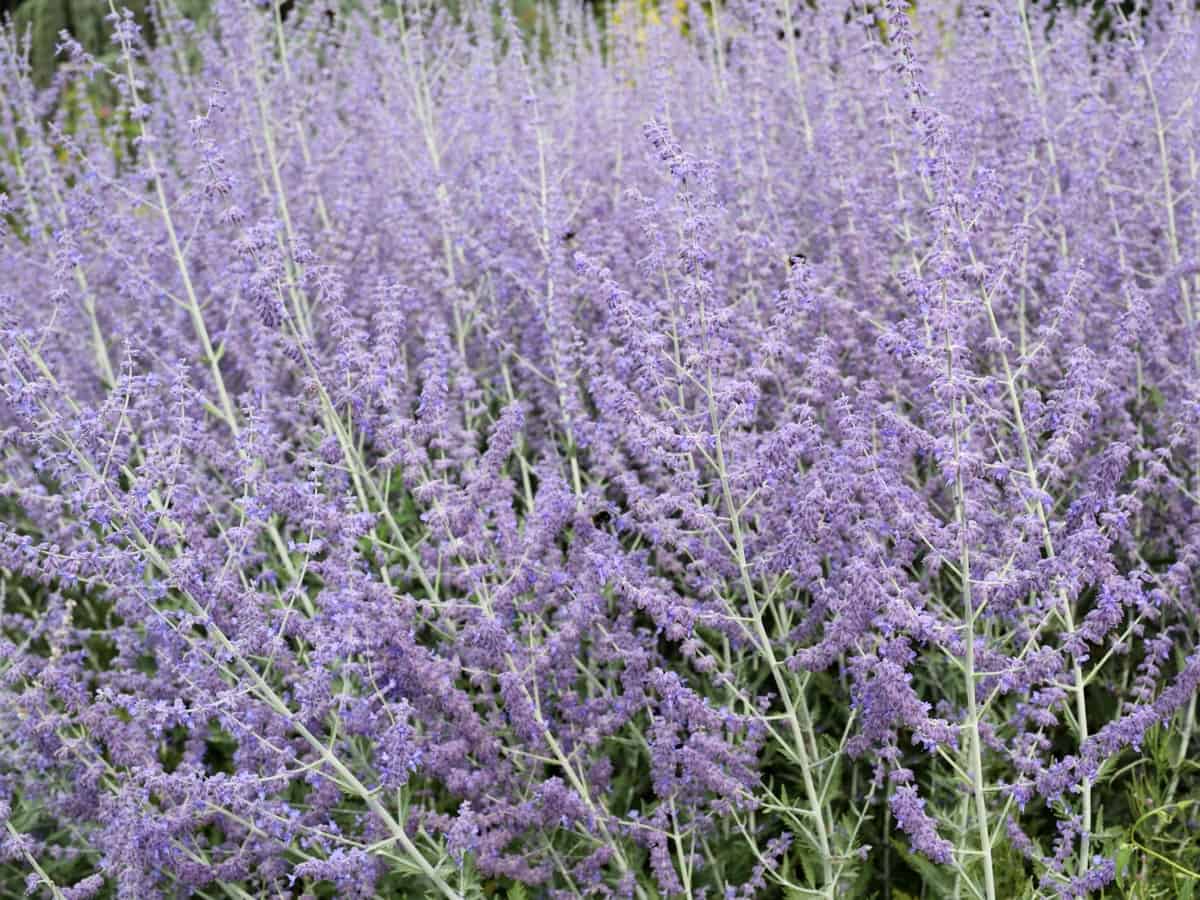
42, 20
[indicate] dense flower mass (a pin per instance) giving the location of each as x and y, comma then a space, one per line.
747, 450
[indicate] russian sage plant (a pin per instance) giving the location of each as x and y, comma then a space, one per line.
752, 451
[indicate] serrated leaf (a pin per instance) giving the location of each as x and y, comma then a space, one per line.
935, 877
810, 872
859, 888
801, 893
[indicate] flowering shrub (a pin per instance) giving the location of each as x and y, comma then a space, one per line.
751, 457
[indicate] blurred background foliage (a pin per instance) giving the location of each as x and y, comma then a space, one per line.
40, 21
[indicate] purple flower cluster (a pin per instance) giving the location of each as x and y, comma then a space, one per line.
682, 455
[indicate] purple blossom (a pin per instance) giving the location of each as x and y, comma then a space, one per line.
680, 453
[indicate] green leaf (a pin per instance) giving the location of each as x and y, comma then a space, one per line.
861, 884
1124, 856
939, 880
810, 870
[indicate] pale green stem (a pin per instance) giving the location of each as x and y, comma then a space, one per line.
55, 891
972, 723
